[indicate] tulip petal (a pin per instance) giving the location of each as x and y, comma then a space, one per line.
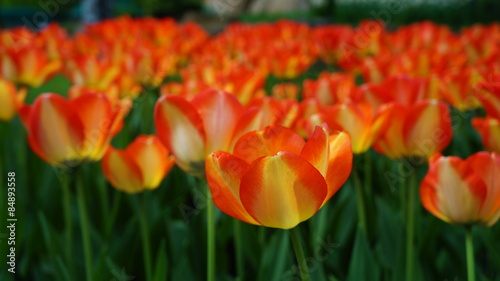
427, 128
489, 129
224, 172
121, 171
220, 111
180, 128
96, 114
283, 190
267, 142
152, 158
316, 150
339, 162
487, 166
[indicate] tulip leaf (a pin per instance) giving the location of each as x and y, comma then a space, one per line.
363, 265
161, 266
276, 257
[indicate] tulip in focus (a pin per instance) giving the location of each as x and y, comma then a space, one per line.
463, 191
142, 165
68, 132
276, 179
10, 100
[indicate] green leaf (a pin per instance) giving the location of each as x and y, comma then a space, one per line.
363, 265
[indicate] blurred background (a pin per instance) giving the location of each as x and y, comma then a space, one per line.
214, 14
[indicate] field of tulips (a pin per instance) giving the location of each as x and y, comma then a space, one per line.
146, 149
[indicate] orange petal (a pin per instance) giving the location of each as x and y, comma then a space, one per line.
121, 171
220, 111
427, 128
339, 162
96, 114
267, 142
152, 158
180, 128
224, 172
489, 129
8, 100
283, 190
55, 132
316, 150
487, 166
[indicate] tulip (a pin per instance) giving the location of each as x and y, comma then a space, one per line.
489, 129
10, 100
330, 89
359, 120
489, 95
66, 133
27, 66
418, 130
276, 179
142, 165
463, 191
193, 129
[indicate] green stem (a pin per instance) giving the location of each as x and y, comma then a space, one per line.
104, 201
114, 211
68, 220
210, 237
239, 250
368, 172
360, 201
299, 254
84, 222
469, 247
410, 227
146, 245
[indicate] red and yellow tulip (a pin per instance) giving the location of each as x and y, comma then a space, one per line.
418, 130
463, 191
193, 129
489, 130
68, 132
276, 179
142, 165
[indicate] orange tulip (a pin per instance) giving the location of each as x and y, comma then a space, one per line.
66, 133
359, 120
330, 88
418, 130
193, 129
463, 191
27, 65
142, 165
276, 179
92, 72
10, 100
285, 91
489, 129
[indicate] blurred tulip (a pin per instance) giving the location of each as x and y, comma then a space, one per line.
142, 165
193, 129
363, 124
418, 130
489, 130
463, 191
276, 179
330, 88
489, 95
91, 72
285, 91
67, 133
10, 100
27, 66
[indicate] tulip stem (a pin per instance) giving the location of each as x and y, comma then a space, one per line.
360, 201
410, 227
146, 245
469, 247
84, 222
68, 222
210, 237
299, 254
239, 250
